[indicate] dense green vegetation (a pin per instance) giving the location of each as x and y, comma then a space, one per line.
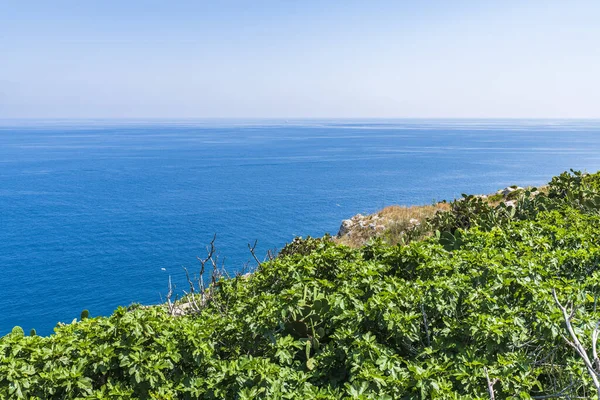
447, 317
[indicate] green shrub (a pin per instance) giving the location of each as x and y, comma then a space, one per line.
303, 246
432, 319
17, 331
515, 194
494, 198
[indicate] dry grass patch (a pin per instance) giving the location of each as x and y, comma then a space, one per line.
401, 224
395, 224
409, 223
402, 213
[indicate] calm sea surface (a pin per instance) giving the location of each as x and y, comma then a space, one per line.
96, 214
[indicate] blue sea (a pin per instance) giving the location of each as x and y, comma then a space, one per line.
97, 214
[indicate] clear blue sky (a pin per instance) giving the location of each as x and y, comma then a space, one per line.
299, 58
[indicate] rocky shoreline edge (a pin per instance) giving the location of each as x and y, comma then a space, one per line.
394, 223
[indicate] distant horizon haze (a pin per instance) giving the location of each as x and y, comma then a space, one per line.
290, 60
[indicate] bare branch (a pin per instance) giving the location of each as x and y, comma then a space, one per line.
187, 275
192, 304
210, 249
594, 344
223, 270
490, 384
575, 343
253, 252
170, 304
201, 289
192, 296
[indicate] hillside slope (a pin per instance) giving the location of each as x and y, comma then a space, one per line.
460, 314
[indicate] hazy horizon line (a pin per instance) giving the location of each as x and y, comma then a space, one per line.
292, 118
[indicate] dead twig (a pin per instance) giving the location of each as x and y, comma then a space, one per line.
191, 296
211, 251
271, 254
170, 304
253, 252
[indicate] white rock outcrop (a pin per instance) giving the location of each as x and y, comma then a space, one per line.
346, 227
508, 190
361, 222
